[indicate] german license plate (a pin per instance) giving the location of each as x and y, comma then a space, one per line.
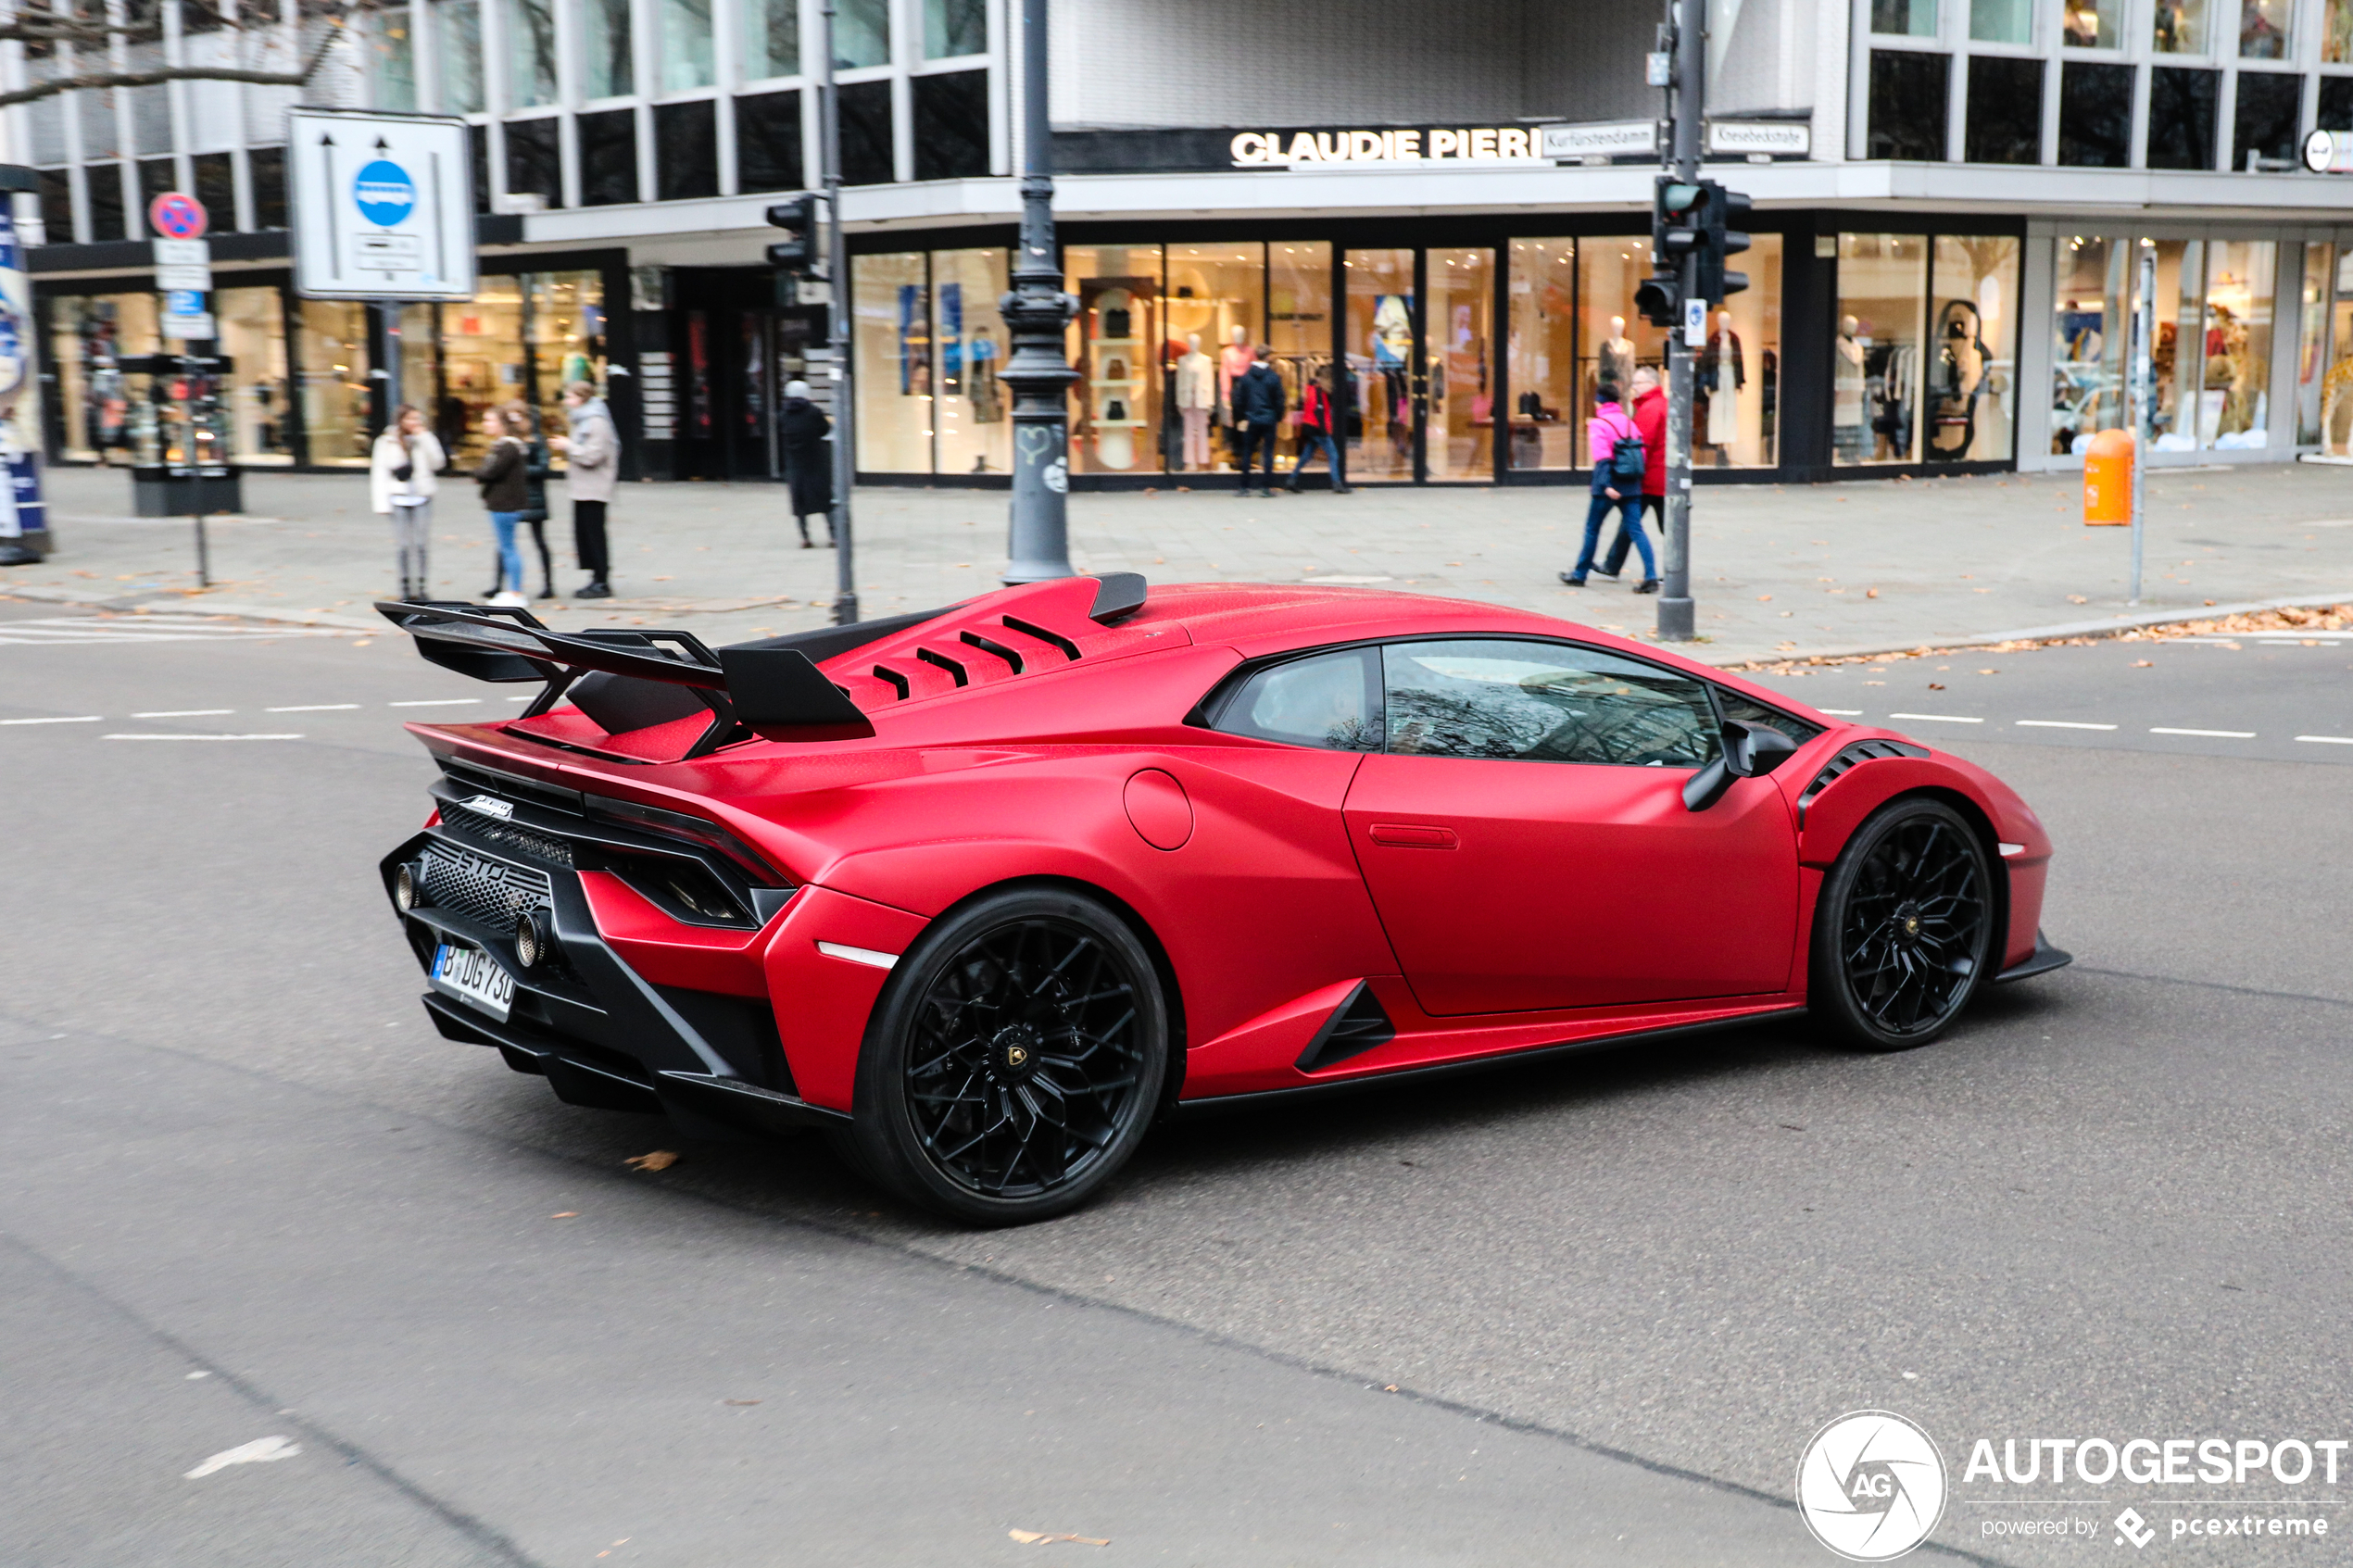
471, 975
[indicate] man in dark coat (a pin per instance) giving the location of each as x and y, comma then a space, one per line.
809, 459
1259, 404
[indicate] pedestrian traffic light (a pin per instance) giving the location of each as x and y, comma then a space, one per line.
1720, 208
1677, 213
797, 252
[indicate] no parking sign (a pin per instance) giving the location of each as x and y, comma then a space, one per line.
176, 217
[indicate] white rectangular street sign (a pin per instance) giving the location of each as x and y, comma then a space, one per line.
187, 328
382, 206
176, 277
1781, 138
183, 253
1614, 138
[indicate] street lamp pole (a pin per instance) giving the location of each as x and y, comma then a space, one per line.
838, 329
1035, 314
1675, 611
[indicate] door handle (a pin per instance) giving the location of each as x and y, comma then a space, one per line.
1415, 835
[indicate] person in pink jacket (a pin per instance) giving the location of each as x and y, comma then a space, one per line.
1620, 459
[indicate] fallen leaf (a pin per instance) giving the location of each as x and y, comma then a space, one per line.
739, 1401
1391, 1389
567, 1214
2209, 602
2143, 663
1030, 1538
1872, 593
2077, 599
1937, 685
1989, 671
659, 1159
1763, 598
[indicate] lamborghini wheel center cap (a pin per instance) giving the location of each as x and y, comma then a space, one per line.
1014, 1052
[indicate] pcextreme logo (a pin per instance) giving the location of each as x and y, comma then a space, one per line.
1870, 1486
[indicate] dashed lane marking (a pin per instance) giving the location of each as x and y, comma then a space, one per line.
1939, 718
149, 629
185, 713
313, 707
2327, 740
77, 718
197, 737
2209, 735
2059, 724
436, 702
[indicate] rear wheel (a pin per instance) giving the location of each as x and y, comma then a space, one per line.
1018, 1053
1904, 927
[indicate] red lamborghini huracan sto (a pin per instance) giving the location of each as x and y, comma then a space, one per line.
981, 892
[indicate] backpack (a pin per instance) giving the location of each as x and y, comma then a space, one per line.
1627, 458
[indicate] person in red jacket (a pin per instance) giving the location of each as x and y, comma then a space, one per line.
1318, 427
1650, 418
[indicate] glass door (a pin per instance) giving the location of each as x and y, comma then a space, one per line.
1424, 375
1458, 390
1382, 350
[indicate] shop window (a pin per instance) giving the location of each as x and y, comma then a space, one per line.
1908, 104
420, 360
2090, 334
2336, 392
564, 330
1907, 18
951, 125
1115, 344
2335, 103
2182, 108
101, 186
101, 408
2092, 24
1381, 350
56, 205
2001, 22
333, 352
1612, 340
2234, 385
531, 55
972, 408
2264, 123
890, 328
1540, 354
606, 69
608, 156
1875, 348
685, 46
861, 34
457, 26
482, 364
1969, 405
1213, 312
686, 149
390, 54
2178, 27
1299, 332
2176, 311
2005, 110
1736, 413
2336, 35
867, 140
955, 28
533, 167
252, 323
157, 175
266, 169
216, 188
2096, 116
772, 38
768, 155
1458, 364
2312, 340
2263, 29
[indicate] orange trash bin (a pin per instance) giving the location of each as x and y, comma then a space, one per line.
2108, 479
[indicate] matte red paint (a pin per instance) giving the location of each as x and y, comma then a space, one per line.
1578, 902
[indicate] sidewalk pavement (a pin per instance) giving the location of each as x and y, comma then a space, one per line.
1778, 571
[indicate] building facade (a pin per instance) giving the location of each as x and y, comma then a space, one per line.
1445, 214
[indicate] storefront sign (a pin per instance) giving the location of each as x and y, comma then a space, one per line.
1771, 138
1607, 139
2329, 152
1500, 147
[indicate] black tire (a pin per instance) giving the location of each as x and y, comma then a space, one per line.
1904, 927
1014, 1059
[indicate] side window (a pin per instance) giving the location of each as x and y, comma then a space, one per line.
1331, 700
1543, 702
1748, 711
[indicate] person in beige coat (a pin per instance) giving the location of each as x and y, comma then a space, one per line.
592, 454
402, 470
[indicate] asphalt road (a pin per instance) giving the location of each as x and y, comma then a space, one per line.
245, 1193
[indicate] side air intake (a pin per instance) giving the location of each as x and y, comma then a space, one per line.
1355, 1026
1848, 758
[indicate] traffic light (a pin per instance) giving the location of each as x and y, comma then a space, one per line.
797, 252
1677, 214
1717, 240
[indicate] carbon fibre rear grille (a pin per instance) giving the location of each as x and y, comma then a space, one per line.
489, 892
490, 830
1850, 757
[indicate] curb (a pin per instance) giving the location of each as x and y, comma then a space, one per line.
2114, 626
98, 599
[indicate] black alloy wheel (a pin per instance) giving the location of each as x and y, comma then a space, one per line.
1904, 927
1014, 1059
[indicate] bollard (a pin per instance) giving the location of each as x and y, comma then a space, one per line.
2108, 479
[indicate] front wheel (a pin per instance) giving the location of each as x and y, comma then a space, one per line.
1904, 928
1016, 1056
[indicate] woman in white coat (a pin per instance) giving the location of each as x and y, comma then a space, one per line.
402, 467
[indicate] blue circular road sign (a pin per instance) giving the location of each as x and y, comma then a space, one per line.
384, 193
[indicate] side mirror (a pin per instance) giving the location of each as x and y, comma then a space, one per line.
1750, 751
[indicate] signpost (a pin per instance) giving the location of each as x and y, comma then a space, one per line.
183, 275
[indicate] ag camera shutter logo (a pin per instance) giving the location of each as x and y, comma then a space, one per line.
384, 193
1870, 1486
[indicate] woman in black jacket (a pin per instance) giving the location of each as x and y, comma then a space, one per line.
809, 459
505, 492
536, 469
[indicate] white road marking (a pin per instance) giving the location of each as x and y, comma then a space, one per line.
435, 702
147, 629
313, 707
1939, 718
262, 1451
185, 713
857, 955
1844, 712
77, 718
2057, 724
2211, 734
194, 736
2327, 740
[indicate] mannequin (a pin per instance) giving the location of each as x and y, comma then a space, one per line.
1725, 375
1618, 355
1196, 396
1846, 390
1234, 359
